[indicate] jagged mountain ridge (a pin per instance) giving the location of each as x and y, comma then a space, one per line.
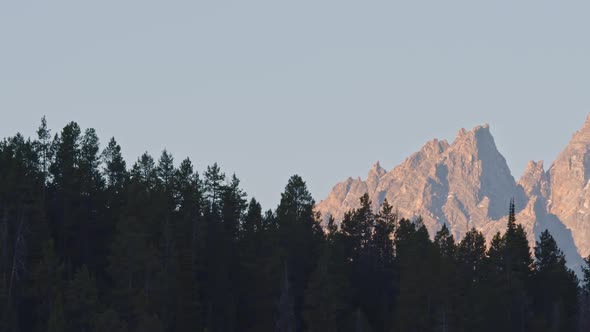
467, 183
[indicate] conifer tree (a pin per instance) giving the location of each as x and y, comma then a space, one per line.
213, 185
251, 267
189, 220
134, 262
44, 148
300, 237
269, 272
116, 180
385, 223
555, 287
224, 268
358, 228
445, 242
518, 261
328, 297
166, 203
446, 282
65, 187
414, 310
496, 288
115, 167
471, 255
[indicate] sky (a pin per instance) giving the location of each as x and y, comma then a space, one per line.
323, 89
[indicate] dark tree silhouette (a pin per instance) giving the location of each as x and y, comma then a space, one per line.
88, 244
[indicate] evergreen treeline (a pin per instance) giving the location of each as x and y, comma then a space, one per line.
90, 244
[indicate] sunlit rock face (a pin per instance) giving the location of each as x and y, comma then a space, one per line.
570, 195
468, 183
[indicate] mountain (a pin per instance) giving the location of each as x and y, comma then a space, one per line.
569, 197
467, 183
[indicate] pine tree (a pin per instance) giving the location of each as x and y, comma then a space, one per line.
382, 239
495, 287
358, 228
495, 254
471, 255
134, 263
213, 185
251, 266
165, 201
115, 172
224, 265
517, 257
414, 310
77, 188
446, 283
269, 274
378, 286
144, 172
328, 297
116, 178
44, 148
188, 307
509, 264
554, 286
213, 265
300, 236
90, 234
65, 187
19, 186
445, 242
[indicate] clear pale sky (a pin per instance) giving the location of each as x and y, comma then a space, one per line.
318, 88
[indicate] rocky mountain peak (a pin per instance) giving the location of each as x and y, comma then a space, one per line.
377, 170
535, 181
581, 139
570, 187
477, 143
478, 173
464, 181
587, 123
481, 130
468, 184
434, 147
375, 173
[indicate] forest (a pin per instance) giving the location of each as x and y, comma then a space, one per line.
89, 243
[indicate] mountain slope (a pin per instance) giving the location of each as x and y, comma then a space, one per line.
570, 188
468, 184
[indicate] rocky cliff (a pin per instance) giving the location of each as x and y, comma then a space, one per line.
468, 183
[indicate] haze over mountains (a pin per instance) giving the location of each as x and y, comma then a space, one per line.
467, 183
